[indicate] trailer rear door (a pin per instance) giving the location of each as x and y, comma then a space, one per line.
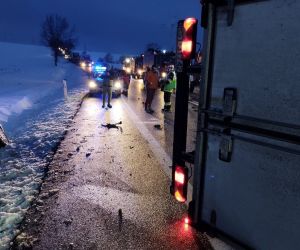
247, 172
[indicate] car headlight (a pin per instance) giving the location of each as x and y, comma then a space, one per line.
117, 85
92, 84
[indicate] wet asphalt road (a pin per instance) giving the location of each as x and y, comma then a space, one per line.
135, 100
106, 188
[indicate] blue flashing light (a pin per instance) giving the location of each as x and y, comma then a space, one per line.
100, 68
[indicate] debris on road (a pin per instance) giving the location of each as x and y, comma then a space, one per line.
39, 202
53, 191
25, 241
68, 222
44, 196
120, 214
113, 125
158, 126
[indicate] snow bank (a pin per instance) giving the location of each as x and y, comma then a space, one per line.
35, 116
27, 75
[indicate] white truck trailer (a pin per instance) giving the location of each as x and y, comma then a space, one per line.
246, 173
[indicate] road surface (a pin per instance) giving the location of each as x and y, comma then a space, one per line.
109, 188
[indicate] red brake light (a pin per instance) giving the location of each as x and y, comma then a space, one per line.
186, 220
179, 177
186, 48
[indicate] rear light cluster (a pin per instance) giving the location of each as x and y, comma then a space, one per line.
188, 46
180, 183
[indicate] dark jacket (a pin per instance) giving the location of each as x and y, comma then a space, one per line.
107, 79
151, 79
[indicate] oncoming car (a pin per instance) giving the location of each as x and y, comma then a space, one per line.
96, 86
139, 74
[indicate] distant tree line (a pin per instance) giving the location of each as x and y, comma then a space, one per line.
56, 33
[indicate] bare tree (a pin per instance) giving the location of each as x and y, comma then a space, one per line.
56, 33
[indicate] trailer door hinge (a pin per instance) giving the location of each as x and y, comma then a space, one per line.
205, 10
230, 10
229, 102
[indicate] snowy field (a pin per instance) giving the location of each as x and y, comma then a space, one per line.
35, 115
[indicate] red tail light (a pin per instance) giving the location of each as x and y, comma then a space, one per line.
179, 176
180, 183
188, 46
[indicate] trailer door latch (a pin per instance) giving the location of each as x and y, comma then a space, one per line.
229, 101
226, 145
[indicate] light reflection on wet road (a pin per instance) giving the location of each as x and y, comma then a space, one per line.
136, 98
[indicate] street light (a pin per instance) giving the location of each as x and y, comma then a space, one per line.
127, 60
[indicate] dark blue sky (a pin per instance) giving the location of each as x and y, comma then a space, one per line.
112, 25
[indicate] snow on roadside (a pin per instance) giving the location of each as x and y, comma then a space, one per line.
27, 75
35, 116
23, 162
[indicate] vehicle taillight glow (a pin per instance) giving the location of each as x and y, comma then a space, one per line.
179, 177
186, 220
180, 183
179, 197
186, 47
189, 22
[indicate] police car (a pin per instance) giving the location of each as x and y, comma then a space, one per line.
95, 85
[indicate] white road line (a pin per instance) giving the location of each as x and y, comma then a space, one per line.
156, 148
160, 154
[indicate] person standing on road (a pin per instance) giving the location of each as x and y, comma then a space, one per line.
168, 88
144, 76
151, 80
106, 87
126, 82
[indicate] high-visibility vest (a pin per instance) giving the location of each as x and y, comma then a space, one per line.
170, 85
